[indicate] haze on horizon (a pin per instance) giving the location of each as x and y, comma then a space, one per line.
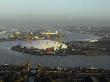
57, 12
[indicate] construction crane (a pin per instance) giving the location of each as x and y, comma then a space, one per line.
48, 34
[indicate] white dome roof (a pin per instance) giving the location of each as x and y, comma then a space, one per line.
44, 44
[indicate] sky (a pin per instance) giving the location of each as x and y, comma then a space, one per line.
56, 12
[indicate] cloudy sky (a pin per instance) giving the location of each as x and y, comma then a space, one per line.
55, 11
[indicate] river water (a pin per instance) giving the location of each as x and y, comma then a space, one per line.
8, 56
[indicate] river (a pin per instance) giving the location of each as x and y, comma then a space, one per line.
8, 56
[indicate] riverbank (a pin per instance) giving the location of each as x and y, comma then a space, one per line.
26, 73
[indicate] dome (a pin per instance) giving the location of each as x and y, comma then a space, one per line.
44, 44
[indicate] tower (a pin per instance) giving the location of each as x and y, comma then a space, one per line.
89, 28
29, 38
